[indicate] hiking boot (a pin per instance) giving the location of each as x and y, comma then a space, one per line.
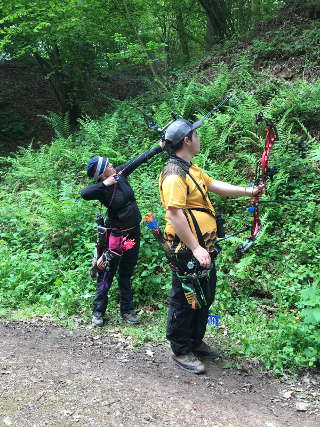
205, 350
190, 363
131, 317
97, 320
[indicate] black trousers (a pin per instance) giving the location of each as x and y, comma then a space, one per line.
186, 327
125, 266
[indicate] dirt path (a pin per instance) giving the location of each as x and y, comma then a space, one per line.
56, 377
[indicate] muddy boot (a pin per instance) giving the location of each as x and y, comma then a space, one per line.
131, 317
206, 351
190, 363
97, 320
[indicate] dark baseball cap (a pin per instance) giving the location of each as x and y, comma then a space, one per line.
179, 129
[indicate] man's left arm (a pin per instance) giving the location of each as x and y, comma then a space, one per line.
228, 190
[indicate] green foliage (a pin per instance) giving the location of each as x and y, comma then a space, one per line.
311, 301
246, 14
234, 17
60, 123
76, 43
296, 340
303, 41
137, 53
72, 43
269, 300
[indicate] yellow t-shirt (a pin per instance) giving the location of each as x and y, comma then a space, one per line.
180, 192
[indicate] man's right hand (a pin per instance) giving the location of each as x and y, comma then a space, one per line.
202, 255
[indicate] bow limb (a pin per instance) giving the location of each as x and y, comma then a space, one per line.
262, 173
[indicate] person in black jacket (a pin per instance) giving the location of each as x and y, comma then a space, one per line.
123, 218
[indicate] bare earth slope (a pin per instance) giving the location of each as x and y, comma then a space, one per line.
53, 376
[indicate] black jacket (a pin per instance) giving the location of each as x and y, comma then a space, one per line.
123, 211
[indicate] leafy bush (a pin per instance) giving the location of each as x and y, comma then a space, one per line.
303, 41
47, 231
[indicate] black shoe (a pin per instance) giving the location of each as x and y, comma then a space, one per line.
97, 320
205, 350
131, 317
190, 363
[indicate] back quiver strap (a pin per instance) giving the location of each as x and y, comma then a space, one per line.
184, 170
196, 227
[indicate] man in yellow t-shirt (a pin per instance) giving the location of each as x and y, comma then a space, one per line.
191, 228
181, 192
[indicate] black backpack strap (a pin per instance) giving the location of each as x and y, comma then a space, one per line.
197, 229
186, 170
203, 210
199, 188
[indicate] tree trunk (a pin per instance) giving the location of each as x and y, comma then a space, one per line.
219, 16
211, 36
135, 30
62, 87
182, 34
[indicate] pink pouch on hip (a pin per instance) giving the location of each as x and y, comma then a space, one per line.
115, 242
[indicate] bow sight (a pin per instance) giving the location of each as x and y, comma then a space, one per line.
152, 124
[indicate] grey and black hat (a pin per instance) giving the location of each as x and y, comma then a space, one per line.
179, 129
